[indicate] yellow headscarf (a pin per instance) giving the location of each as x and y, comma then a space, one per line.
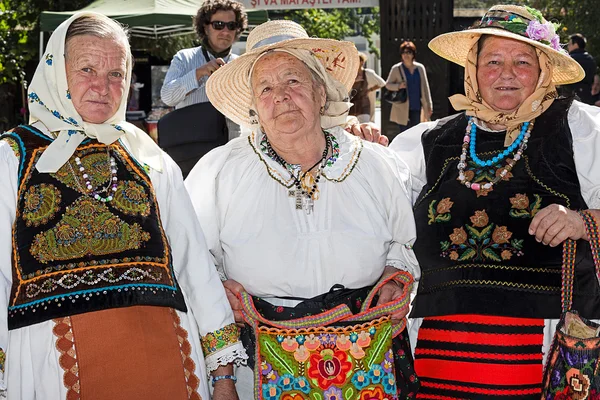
532, 107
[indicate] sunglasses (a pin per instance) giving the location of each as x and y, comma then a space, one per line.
220, 25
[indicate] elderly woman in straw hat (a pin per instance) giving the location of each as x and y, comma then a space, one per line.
300, 206
495, 192
102, 268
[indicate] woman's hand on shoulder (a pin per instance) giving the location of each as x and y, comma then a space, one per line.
232, 289
554, 224
369, 132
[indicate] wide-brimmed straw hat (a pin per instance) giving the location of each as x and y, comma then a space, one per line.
514, 22
228, 89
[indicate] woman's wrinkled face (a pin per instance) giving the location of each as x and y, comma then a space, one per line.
96, 69
286, 97
507, 72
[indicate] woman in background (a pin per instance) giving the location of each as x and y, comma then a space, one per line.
411, 75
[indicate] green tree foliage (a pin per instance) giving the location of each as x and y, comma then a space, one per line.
576, 16
338, 23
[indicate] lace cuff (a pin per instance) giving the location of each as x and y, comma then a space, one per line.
233, 354
400, 266
222, 347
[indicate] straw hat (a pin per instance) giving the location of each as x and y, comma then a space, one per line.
514, 22
228, 89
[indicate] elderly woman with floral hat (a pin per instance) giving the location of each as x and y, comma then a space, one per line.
108, 289
495, 192
300, 206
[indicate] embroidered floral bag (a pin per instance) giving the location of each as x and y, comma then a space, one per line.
572, 369
334, 354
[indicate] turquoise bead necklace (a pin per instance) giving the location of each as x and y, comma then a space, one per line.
500, 156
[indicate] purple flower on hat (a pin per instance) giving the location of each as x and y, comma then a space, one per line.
539, 32
555, 44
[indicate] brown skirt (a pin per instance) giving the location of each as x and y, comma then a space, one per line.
139, 352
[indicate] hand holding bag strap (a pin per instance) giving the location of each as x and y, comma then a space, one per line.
401, 303
591, 228
569, 251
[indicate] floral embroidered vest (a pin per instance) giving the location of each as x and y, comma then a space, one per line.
474, 248
74, 254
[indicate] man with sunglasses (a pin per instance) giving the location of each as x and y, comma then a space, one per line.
218, 23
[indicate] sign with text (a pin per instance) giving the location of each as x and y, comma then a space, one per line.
297, 4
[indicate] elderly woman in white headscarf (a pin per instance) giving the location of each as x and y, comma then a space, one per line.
300, 206
108, 289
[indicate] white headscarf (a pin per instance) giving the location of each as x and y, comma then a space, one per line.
50, 103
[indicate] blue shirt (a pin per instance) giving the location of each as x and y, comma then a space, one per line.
413, 84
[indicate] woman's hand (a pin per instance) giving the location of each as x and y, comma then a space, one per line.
232, 288
391, 291
554, 224
224, 389
402, 85
369, 132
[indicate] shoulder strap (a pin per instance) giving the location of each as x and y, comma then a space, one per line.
205, 53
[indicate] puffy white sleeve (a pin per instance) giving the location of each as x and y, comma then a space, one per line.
584, 122
195, 271
8, 207
398, 208
201, 184
407, 145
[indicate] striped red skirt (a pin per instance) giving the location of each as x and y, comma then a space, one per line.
477, 356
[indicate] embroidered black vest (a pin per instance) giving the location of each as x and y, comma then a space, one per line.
73, 253
474, 248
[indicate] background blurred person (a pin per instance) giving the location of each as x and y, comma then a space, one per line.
411, 75
218, 23
582, 89
596, 90
364, 92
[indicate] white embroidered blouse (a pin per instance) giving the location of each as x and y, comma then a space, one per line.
361, 222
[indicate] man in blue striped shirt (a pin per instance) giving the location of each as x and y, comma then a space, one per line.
218, 24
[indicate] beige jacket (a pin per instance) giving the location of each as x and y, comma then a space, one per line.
399, 113
375, 82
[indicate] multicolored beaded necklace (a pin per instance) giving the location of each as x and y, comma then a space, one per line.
469, 142
306, 183
109, 189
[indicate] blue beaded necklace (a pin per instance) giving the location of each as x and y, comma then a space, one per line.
500, 156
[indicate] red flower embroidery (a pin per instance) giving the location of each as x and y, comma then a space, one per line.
329, 368
373, 394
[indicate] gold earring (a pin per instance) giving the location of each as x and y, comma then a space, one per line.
322, 110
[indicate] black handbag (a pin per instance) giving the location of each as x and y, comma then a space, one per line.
395, 96
188, 133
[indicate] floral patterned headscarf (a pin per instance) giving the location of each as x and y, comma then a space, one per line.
50, 103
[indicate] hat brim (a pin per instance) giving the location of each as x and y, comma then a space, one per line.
455, 47
228, 88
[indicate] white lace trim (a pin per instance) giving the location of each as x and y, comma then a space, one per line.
400, 266
233, 354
